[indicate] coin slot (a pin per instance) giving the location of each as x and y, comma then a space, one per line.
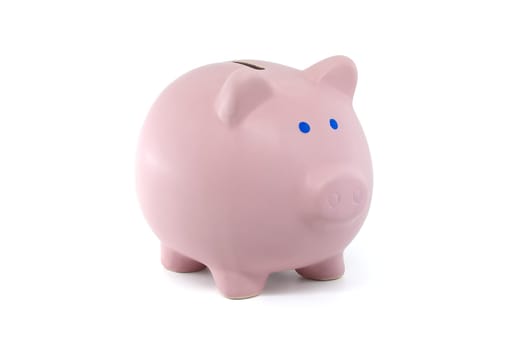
250, 65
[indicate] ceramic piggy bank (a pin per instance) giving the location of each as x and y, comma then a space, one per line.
251, 167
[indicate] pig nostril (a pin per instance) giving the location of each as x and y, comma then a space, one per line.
334, 199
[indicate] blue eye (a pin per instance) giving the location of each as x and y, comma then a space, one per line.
304, 127
334, 123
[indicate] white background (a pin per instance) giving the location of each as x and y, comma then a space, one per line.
440, 262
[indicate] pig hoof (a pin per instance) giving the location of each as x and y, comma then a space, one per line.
176, 262
330, 269
238, 285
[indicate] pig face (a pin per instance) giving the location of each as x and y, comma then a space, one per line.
311, 148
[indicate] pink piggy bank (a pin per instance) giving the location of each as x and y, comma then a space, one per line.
252, 167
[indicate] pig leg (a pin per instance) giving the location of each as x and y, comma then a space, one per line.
239, 285
174, 261
329, 269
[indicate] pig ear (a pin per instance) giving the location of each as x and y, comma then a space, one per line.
241, 93
337, 71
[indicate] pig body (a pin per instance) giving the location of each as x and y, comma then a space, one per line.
252, 167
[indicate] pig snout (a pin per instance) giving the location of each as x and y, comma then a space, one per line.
340, 198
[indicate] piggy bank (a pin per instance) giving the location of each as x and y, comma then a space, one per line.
251, 167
